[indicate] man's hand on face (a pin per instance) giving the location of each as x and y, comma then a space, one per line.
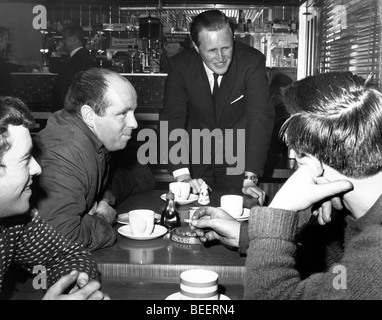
306, 187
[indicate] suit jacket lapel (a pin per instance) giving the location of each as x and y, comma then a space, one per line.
75, 57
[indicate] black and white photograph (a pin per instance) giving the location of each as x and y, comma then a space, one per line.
161, 150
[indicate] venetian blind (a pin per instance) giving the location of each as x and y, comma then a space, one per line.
350, 37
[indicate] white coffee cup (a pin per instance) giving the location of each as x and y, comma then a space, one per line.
199, 284
181, 190
141, 222
232, 204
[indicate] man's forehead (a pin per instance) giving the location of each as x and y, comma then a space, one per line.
120, 86
210, 38
226, 29
20, 139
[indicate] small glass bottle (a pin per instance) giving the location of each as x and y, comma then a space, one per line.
170, 216
249, 25
154, 62
240, 26
136, 64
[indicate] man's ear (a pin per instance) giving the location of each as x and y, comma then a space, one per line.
195, 46
88, 115
311, 161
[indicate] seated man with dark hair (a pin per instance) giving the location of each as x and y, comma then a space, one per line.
25, 238
335, 128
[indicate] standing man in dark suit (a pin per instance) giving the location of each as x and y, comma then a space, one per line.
79, 60
242, 102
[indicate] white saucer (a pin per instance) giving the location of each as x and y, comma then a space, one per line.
176, 296
123, 218
193, 197
158, 231
244, 216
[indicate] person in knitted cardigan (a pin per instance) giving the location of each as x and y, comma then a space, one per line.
299, 247
65, 270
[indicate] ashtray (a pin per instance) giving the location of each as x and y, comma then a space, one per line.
184, 235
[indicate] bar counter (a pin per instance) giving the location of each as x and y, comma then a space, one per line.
36, 88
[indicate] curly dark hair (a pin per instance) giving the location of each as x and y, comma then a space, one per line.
14, 112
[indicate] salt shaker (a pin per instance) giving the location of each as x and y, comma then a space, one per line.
204, 197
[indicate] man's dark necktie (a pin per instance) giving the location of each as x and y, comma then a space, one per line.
215, 93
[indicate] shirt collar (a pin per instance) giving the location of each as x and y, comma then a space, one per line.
208, 70
210, 76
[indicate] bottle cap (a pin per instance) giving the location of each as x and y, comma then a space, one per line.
170, 195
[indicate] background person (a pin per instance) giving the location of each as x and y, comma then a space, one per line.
25, 238
6, 67
341, 159
79, 60
78, 188
242, 101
